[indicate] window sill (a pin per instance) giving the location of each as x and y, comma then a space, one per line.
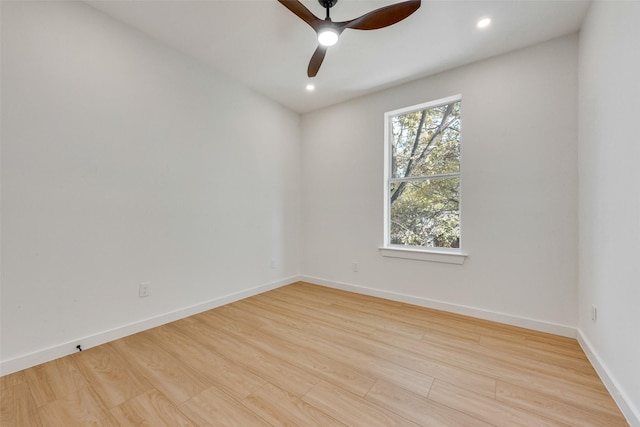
424, 255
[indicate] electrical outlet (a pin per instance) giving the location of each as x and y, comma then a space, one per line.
354, 267
594, 312
143, 291
273, 264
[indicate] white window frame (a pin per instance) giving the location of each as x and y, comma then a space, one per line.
446, 255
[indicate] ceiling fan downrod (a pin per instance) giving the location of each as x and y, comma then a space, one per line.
327, 4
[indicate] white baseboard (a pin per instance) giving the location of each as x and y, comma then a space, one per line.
64, 349
631, 413
523, 322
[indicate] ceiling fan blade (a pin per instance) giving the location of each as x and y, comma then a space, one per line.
316, 61
302, 12
382, 17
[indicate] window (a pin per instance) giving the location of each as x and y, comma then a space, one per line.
422, 177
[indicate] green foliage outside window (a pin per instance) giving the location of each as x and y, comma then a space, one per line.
425, 177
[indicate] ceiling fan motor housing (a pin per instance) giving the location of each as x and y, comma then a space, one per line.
327, 3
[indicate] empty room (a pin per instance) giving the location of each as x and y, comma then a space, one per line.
320, 213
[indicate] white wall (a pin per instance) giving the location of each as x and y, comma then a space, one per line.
123, 162
519, 191
609, 267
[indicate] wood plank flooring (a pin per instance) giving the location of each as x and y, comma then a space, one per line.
304, 355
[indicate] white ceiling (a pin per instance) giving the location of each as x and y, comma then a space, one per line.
265, 46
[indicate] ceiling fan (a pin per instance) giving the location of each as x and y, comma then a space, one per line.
329, 31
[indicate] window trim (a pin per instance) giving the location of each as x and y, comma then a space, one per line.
447, 255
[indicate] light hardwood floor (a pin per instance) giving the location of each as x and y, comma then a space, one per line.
305, 355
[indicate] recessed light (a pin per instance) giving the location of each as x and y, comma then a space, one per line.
484, 23
310, 87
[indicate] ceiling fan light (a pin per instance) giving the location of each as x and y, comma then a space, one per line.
328, 36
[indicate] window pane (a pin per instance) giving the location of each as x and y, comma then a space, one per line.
426, 213
426, 142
